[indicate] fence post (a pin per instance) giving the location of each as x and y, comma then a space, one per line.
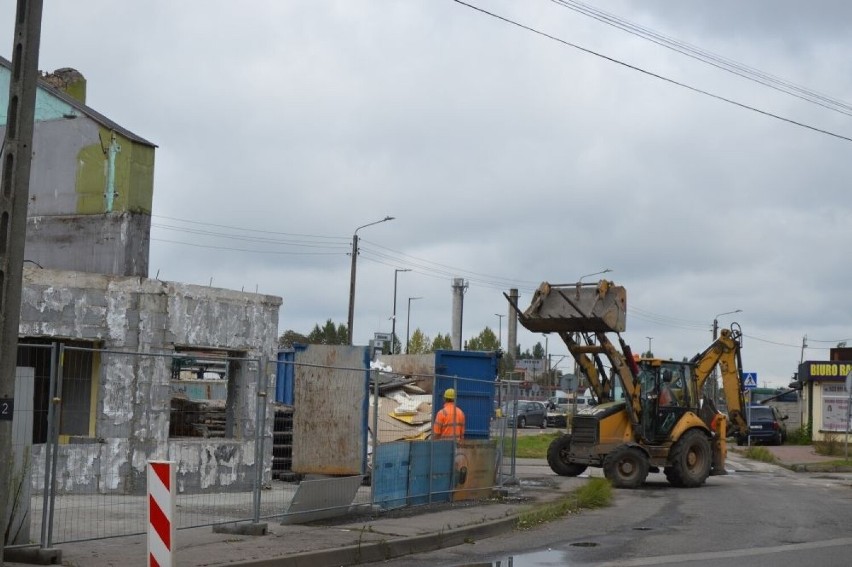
54, 414
374, 435
161, 513
48, 450
259, 433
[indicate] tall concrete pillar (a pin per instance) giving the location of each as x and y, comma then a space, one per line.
459, 287
512, 344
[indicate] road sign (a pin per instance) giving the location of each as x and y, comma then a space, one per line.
749, 380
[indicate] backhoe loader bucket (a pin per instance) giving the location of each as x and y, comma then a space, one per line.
576, 308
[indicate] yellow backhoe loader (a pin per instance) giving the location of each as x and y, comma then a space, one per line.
651, 414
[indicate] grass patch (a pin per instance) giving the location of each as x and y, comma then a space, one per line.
830, 446
760, 454
530, 446
596, 493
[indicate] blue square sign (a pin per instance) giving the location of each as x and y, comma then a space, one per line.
749, 380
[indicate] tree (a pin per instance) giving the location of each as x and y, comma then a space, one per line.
538, 351
419, 343
329, 334
442, 342
290, 337
486, 340
506, 365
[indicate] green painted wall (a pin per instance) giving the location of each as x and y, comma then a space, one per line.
134, 177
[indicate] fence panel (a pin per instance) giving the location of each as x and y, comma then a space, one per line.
34, 366
118, 410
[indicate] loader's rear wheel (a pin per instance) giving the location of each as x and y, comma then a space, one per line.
558, 457
690, 460
626, 467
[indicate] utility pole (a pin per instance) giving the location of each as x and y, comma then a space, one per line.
14, 194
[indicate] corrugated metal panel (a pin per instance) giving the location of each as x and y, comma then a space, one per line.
472, 374
284, 375
430, 476
390, 474
330, 410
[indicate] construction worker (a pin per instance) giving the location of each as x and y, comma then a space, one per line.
449, 421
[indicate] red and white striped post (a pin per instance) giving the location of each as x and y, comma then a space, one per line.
161, 513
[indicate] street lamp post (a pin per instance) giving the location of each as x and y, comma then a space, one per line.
350, 322
716, 321
393, 324
500, 328
649, 344
604, 271
714, 378
408, 323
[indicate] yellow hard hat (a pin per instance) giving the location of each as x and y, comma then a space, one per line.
449, 394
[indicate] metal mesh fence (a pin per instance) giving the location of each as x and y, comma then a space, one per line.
351, 438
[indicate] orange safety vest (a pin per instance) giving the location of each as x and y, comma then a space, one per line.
449, 422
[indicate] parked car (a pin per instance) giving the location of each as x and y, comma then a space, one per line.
528, 413
557, 417
766, 425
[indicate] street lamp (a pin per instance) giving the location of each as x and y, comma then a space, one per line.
716, 321
714, 378
604, 271
352, 276
393, 324
500, 327
408, 323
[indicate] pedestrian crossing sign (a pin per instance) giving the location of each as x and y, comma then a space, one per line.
749, 380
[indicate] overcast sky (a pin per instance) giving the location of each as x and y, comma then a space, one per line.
507, 158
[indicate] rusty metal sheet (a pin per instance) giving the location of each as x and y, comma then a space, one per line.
330, 410
576, 308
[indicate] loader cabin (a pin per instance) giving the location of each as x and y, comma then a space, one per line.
667, 391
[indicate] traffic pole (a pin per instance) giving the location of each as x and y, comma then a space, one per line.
161, 513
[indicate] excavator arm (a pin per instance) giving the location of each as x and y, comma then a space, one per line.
725, 352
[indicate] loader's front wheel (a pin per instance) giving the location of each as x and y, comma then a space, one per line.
626, 467
558, 457
690, 460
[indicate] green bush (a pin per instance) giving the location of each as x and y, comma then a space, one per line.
830, 446
800, 436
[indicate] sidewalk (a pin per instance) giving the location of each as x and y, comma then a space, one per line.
372, 537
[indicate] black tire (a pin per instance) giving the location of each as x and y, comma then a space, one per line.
690, 460
779, 440
522, 422
626, 467
558, 459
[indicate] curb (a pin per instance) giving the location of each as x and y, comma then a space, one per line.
383, 550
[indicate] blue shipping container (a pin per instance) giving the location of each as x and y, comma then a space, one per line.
472, 374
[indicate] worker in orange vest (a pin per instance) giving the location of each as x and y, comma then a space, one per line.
449, 421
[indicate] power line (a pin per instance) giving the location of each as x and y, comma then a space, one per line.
710, 58
343, 238
655, 75
252, 250
437, 270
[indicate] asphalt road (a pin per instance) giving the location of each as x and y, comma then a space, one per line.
749, 518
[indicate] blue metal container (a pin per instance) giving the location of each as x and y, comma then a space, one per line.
472, 374
285, 374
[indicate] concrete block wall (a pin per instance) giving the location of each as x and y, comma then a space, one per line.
138, 315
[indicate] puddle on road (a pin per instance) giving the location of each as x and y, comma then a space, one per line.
546, 558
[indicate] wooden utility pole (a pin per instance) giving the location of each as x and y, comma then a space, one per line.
14, 195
